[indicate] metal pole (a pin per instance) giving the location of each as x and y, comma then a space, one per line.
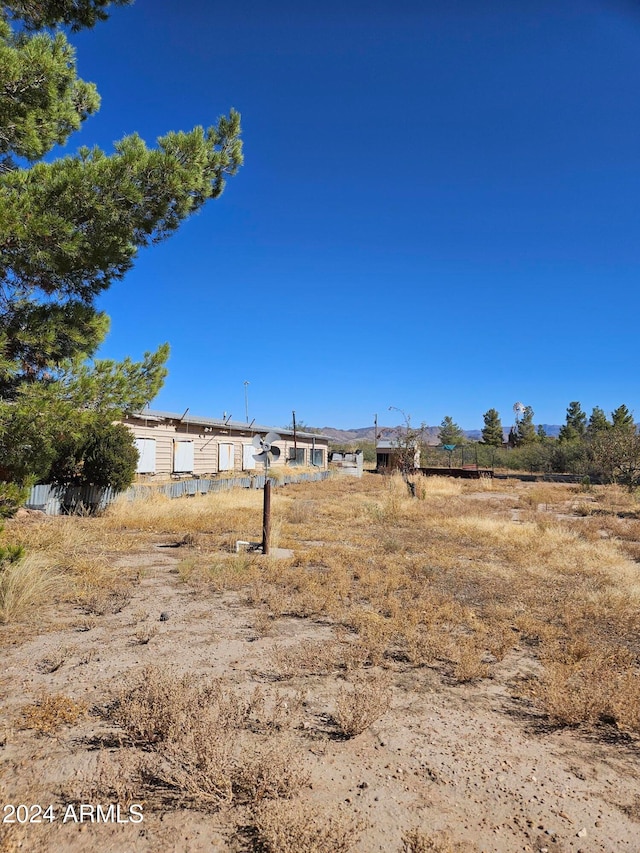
246, 400
266, 515
295, 440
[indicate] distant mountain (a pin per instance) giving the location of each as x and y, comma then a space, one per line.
348, 436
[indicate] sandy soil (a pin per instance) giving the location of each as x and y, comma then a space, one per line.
466, 759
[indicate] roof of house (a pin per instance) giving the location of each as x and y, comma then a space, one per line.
239, 426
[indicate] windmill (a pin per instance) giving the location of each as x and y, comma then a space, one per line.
518, 410
267, 451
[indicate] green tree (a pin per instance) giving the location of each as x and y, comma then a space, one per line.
575, 425
492, 431
450, 432
597, 421
105, 455
622, 419
616, 455
525, 429
71, 227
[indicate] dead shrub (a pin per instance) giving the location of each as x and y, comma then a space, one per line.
162, 706
283, 827
468, 660
362, 703
275, 770
596, 688
107, 602
50, 712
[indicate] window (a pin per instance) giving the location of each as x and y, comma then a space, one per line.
317, 458
296, 456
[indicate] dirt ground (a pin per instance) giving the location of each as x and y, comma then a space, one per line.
468, 761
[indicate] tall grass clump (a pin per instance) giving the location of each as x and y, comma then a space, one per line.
26, 584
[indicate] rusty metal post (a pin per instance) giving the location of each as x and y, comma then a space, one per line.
266, 516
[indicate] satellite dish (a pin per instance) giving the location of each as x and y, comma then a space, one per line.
266, 447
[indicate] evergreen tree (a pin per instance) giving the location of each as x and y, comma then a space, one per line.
622, 419
492, 431
71, 227
525, 430
450, 432
597, 421
575, 425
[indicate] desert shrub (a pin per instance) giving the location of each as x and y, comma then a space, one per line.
361, 704
51, 711
284, 827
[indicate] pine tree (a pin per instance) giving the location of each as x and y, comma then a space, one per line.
450, 432
575, 425
71, 227
492, 431
597, 421
525, 430
622, 419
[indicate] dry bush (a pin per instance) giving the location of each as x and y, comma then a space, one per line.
146, 633
198, 727
375, 632
26, 585
284, 827
591, 688
271, 771
276, 711
161, 705
468, 660
361, 704
417, 841
107, 602
51, 711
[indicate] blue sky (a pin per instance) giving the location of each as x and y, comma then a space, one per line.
439, 208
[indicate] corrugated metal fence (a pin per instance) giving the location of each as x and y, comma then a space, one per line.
58, 500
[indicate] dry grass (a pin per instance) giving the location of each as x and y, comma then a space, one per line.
283, 827
448, 580
50, 712
27, 585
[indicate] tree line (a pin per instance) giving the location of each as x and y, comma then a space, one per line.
607, 448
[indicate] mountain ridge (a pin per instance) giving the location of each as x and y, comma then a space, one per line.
349, 436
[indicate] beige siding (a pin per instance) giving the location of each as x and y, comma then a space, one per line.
205, 445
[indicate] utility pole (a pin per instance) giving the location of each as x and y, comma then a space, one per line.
246, 400
295, 439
